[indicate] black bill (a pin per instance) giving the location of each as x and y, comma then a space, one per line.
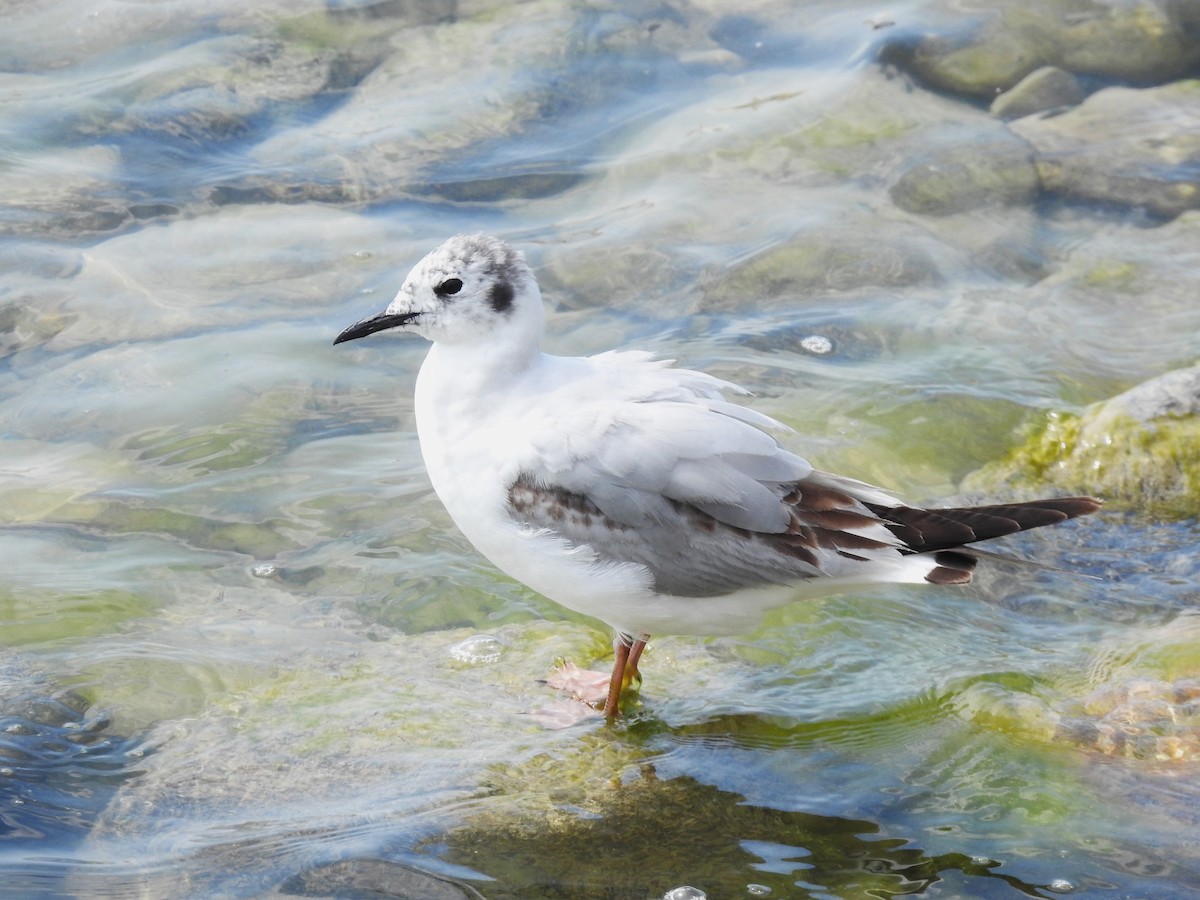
380, 322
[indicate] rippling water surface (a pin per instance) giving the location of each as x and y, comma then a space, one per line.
243, 650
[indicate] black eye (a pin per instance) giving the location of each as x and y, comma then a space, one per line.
448, 287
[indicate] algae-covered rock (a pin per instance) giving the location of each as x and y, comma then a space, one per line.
963, 177
979, 63
1139, 449
1144, 42
833, 258
1123, 146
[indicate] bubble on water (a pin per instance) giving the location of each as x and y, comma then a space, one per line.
818, 344
263, 570
685, 892
1061, 886
477, 649
757, 890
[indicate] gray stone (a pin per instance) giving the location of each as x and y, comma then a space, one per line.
1174, 394
1046, 88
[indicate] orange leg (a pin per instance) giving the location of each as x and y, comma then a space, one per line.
626, 653
635, 654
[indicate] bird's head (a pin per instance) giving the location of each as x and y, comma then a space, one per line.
466, 291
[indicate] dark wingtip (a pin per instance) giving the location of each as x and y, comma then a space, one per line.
1073, 507
926, 530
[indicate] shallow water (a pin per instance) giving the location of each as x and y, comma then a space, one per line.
244, 651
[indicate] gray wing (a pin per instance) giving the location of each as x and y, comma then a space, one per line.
676, 478
831, 531
691, 553
633, 457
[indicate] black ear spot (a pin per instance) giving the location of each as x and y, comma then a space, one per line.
448, 287
501, 296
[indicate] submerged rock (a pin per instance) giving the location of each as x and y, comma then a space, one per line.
63, 194
229, 86
963, 177
831, 259
1139, 449
368, 877
1136, 148
1137, 697
1144, 42
1046, 88
1140, 718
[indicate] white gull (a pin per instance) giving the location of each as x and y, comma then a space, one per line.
632, 491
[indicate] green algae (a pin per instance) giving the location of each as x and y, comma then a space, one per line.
970, 430
1153, 467
208, 450
42, 617
1118, 275
261, 540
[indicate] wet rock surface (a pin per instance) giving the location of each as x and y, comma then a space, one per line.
1137, 449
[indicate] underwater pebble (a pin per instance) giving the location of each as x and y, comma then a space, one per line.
479, 648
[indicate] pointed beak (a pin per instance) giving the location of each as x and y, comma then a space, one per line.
372, 324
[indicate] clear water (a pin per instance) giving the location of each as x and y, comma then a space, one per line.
240, 638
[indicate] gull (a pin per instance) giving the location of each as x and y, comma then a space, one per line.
633, 491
